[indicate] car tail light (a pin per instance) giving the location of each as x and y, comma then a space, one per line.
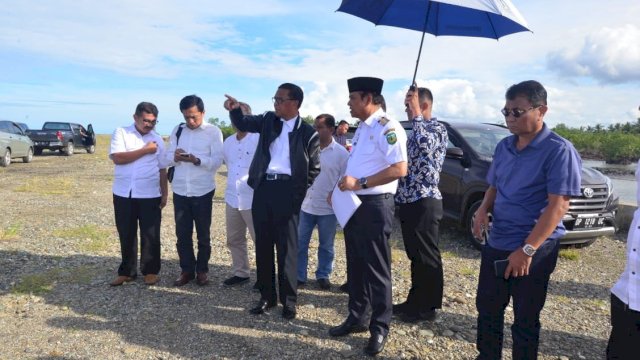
59, 135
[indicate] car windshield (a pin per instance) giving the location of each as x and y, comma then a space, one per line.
55, 126
484, 140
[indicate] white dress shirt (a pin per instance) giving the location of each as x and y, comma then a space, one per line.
374, 150
333, 162
627, 288
279, 149
238, 155
139, 179
205, 143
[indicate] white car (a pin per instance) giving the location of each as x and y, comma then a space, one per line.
14, 143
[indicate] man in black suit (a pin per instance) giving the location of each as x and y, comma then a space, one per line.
285, 164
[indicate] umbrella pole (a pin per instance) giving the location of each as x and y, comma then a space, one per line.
415, 72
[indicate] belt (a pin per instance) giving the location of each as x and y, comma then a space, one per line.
374, 196
277, 177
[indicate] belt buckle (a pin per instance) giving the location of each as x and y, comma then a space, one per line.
272, 176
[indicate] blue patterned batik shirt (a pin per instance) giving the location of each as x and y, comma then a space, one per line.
426, 149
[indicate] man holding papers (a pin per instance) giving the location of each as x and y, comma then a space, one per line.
378, 159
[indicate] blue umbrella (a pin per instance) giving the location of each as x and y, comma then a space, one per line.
475, 18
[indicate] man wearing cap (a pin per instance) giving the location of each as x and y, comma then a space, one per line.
378, 159
285, 164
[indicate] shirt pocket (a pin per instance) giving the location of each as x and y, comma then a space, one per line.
366, 146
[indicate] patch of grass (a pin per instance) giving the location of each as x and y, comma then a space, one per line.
467, 271
47, 186
563, 299
569, 254
37, 284
40, 284
95, 239
448, 255
598, 303
11, 232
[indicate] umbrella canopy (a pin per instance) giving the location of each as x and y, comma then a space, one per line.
475, 18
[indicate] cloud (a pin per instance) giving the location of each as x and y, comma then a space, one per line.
610, 55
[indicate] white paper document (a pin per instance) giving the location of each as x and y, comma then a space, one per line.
344, 204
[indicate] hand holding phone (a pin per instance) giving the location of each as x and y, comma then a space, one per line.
185, 154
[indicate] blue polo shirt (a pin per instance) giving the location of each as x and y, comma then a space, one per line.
524, 179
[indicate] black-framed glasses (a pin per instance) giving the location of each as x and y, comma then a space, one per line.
517, 112
150, 122
279, 100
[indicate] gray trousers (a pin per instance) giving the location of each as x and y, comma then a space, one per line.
238, 221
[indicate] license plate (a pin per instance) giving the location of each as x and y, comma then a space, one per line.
588, 222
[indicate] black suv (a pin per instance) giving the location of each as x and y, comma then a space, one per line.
463, 183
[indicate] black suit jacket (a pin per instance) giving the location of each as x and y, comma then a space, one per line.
304, 150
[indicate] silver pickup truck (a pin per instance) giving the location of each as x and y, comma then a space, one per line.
64, 137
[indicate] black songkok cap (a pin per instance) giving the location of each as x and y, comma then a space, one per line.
364, 83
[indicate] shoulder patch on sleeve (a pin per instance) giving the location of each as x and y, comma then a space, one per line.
391, 138
383, 121
389, 130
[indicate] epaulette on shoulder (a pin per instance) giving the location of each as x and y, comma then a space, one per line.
383, 121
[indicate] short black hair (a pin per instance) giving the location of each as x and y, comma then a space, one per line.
343, 122
190, 101
329, 120
531, 90
146, 107
425, 94
295, 92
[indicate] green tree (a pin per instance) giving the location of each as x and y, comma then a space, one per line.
227, 129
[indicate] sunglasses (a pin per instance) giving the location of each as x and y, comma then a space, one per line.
517, 112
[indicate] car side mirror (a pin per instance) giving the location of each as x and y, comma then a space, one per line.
455, 153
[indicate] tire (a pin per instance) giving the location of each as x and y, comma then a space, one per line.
477, 243
91, 149
29, 157
68, 150
6, 159
37, 151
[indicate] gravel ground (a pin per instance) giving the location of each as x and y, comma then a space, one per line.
59, 250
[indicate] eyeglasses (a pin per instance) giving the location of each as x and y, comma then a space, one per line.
150, 122
279, 100
517, 112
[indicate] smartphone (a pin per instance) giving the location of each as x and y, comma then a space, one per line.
185, 154
500, 266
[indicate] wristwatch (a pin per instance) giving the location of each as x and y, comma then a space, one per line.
363, 182
528, 250
198, 162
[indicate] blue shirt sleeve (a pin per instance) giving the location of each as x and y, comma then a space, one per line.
564, 172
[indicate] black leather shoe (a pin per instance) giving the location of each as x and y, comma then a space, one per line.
375, 344
324, 284
289, 313
262, 306
344, 287
415, 316
401, 308
346, 328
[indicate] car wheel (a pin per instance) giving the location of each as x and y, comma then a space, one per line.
6, 159
29, 157
477, 243
91, 149
37, 151
69, 149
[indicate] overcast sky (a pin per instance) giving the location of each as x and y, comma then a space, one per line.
93, 61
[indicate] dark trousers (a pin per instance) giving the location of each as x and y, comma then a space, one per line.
187, 211
625, 331
420, 223
529, 294
275, 222
129, 213
369, 262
